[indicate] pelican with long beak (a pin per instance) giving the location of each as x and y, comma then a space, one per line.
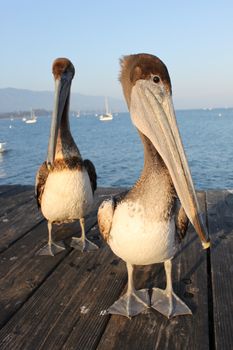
65, 183
142, 227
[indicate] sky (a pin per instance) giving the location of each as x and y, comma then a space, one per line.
193, 38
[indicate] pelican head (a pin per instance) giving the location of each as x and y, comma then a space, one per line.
148, 93
63, 71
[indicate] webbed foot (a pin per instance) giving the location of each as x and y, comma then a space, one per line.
168, 303
83, 245
51, 249
131, 304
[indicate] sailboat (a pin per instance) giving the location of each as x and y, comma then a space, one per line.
32, 119
2, 147
107, 115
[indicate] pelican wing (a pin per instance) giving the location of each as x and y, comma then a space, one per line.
92, 173
105, 216
41, 178
182, 222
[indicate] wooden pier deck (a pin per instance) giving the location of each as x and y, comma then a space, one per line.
59, 302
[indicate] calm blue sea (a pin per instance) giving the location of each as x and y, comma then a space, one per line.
116, 149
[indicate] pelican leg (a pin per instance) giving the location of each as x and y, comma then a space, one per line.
51, 248
133, 302
166, 301
83, 243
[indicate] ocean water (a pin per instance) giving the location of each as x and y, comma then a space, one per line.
115, 148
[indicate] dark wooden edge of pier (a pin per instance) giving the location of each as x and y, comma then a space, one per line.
59, 302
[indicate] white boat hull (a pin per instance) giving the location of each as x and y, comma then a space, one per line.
106, 117
2, 147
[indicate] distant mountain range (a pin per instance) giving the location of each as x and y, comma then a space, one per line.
13, 100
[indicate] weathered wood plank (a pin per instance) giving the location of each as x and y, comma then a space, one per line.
9, 190
71, 298
152, 330
21, 272
17, 222
16, 195
220, 222
53, 304
6, 188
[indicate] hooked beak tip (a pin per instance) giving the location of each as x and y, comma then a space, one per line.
206, 244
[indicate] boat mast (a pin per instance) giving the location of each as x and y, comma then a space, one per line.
106, 105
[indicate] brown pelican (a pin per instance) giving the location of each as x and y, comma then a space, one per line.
141, 227
65, 183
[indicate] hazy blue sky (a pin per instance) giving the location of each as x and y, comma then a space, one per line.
193, 38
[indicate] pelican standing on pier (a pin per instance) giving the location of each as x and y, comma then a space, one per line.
65, 183
141, 228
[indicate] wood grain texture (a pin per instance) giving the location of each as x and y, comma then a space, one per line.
68, 302
21, 271
14, 197
5, 188
56, 302
13, 189
16, 223
220, 222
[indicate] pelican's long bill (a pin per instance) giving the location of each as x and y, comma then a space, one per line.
61, 101
152, 112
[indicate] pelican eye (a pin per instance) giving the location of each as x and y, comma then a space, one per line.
156, 79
